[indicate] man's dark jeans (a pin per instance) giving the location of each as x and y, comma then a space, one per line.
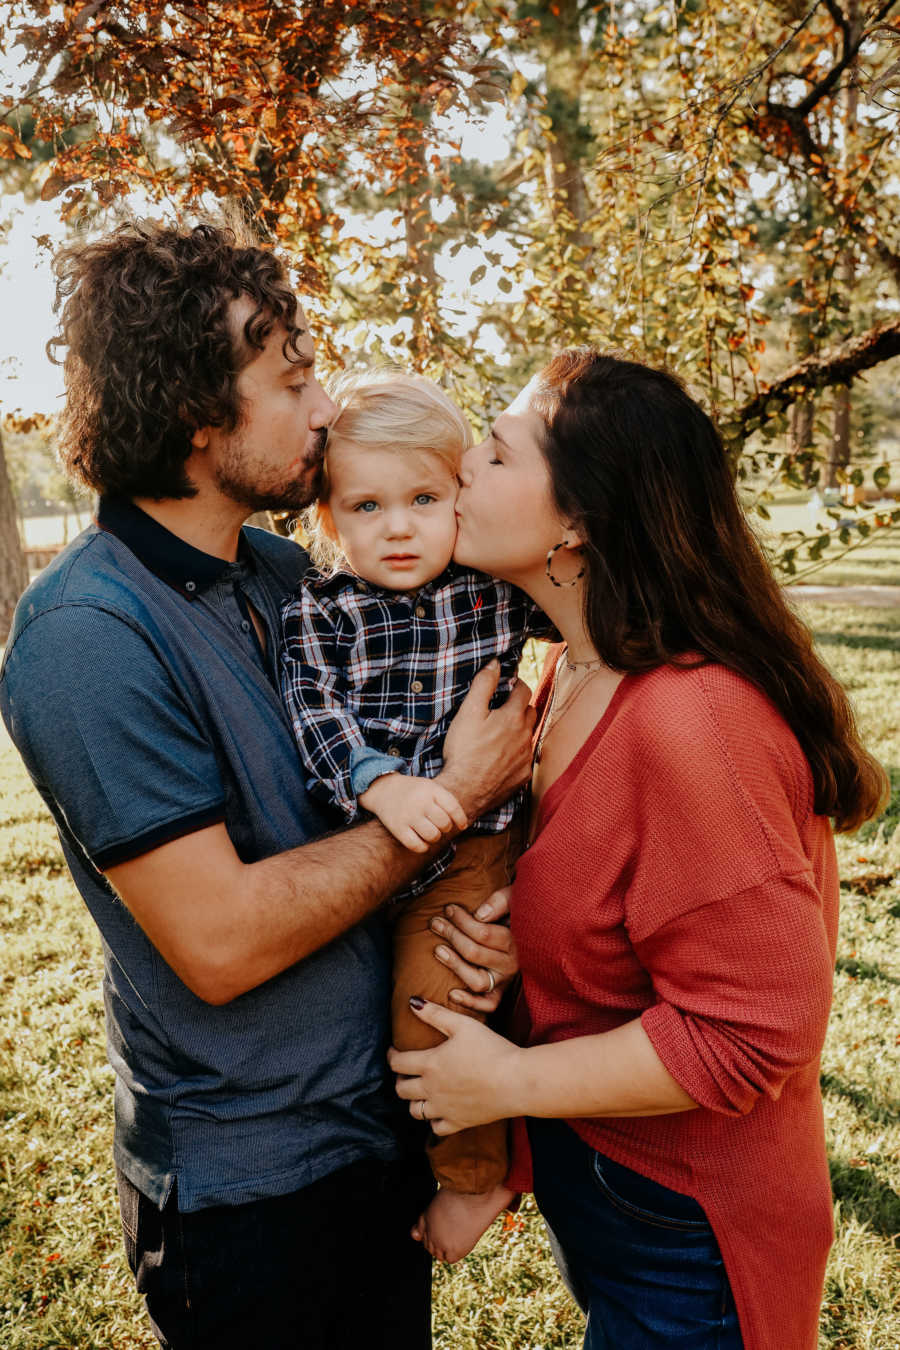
641, 1260
330, 1267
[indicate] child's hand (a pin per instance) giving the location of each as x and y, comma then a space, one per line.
417, 811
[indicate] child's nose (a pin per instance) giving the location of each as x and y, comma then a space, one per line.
398, 523
465, 468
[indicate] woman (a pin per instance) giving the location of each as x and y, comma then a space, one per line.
676, 912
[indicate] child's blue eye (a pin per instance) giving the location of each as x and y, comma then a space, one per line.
368, 507
423, 498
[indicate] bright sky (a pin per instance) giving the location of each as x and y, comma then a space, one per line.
30, 382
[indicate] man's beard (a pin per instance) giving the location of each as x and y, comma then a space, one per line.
247, 485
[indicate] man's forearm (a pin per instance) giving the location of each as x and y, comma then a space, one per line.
312, 894
225, 926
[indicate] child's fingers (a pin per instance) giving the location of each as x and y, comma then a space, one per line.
426, 829
438, 816
410, 839
451, 806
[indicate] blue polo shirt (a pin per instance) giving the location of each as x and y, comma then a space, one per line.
145, 708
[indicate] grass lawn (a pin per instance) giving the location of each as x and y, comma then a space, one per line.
64, 1284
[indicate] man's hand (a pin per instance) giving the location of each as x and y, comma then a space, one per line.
487, 752
417, 811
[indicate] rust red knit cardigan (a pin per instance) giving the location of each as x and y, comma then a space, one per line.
680, 874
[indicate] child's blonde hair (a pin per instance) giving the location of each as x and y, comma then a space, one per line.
384, 410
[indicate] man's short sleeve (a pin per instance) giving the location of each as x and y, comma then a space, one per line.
106, 734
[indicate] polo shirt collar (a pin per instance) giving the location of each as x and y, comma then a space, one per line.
173, 560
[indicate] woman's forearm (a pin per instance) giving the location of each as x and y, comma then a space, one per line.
615, 1073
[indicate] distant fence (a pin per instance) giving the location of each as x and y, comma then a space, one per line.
36, 558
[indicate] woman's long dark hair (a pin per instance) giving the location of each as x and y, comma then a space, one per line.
673, 567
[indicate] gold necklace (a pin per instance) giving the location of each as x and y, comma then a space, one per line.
550, 721
583, 665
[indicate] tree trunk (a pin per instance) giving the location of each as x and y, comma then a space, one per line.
802, 438
423, 279
839, 456
564, 177
13, 567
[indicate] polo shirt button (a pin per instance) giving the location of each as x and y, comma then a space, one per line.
420, 611
392, 750
245, 625
416, 686
190, 586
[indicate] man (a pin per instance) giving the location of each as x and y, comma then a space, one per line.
265, 1189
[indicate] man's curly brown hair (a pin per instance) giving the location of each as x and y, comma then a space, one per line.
150, 354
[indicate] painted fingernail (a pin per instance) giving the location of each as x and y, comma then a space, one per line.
456, 995
438, 926
417, 1002
483, 913
442, 953
450, 910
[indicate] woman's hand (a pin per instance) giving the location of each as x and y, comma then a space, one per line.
474, 948
469, 1079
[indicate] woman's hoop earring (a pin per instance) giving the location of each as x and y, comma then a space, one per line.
551, 577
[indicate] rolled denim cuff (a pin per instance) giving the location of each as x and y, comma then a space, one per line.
366, 765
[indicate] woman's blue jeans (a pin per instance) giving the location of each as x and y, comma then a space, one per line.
641, 1260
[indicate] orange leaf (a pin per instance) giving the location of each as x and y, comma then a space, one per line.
53, 187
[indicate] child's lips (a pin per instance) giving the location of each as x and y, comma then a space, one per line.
401, 559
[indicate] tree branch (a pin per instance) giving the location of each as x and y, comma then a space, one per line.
839, 366
793, 118
848, 54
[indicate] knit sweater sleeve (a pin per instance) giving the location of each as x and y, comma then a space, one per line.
723, 911
743, 990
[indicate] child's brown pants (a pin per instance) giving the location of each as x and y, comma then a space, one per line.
472, 1161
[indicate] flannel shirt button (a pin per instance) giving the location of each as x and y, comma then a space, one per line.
190, 586
417, 686
245, 625
420, 611
393, 750
361, 586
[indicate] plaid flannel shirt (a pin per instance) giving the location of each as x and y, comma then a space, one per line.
372, 678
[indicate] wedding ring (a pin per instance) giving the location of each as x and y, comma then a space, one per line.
493, 979
421, 1115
